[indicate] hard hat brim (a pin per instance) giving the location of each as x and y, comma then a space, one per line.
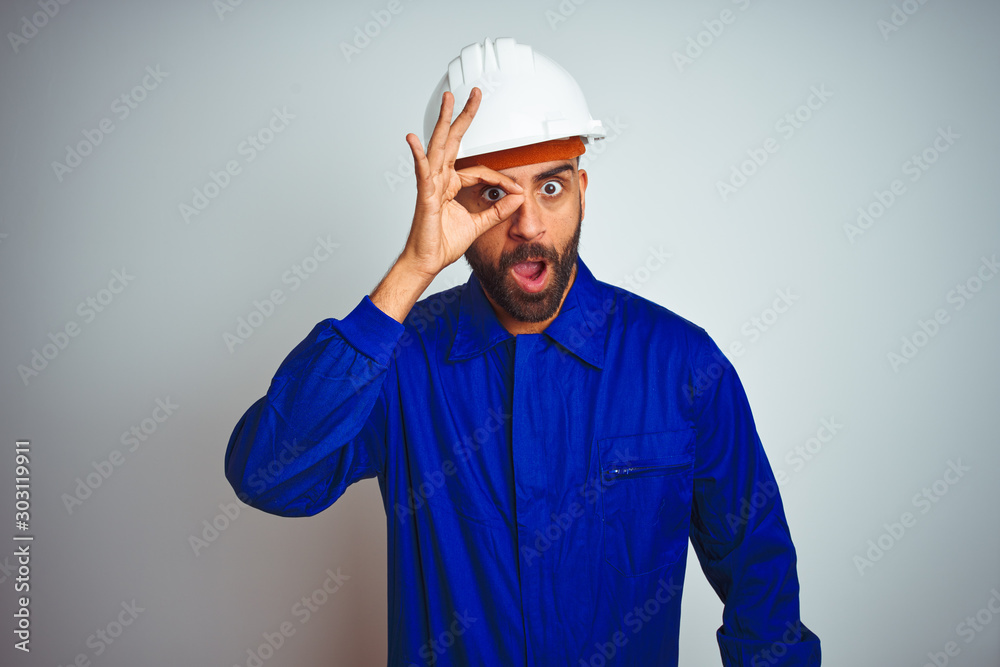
546, 151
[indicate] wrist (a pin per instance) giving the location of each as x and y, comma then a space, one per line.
409, 267
400, 289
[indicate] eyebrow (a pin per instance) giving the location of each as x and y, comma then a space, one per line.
550, 172
538, 177
553, 172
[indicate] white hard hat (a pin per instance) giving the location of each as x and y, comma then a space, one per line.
527, 99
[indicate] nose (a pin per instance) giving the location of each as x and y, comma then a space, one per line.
526, 223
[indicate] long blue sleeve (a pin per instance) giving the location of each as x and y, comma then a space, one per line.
321, 425
739, 530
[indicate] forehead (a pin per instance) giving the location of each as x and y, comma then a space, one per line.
528, 172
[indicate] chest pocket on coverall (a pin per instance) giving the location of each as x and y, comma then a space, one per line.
646, 483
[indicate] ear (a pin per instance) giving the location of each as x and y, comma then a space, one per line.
582, 177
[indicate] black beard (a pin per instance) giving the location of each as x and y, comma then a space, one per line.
525, 306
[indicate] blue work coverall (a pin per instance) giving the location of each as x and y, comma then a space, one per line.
539, 489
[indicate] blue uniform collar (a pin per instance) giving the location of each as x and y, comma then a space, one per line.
580, 326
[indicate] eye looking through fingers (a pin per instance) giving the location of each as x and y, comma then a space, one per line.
493, 194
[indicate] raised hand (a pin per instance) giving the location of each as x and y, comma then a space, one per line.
442, 228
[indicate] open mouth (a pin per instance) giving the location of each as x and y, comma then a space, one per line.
531, 275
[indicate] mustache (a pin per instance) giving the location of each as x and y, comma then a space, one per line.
526, 252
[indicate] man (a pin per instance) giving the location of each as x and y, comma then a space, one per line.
545, 443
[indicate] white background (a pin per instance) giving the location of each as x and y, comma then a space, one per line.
677, 130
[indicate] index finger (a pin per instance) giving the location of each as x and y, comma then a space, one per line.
483, 174
459, 127
435, 144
